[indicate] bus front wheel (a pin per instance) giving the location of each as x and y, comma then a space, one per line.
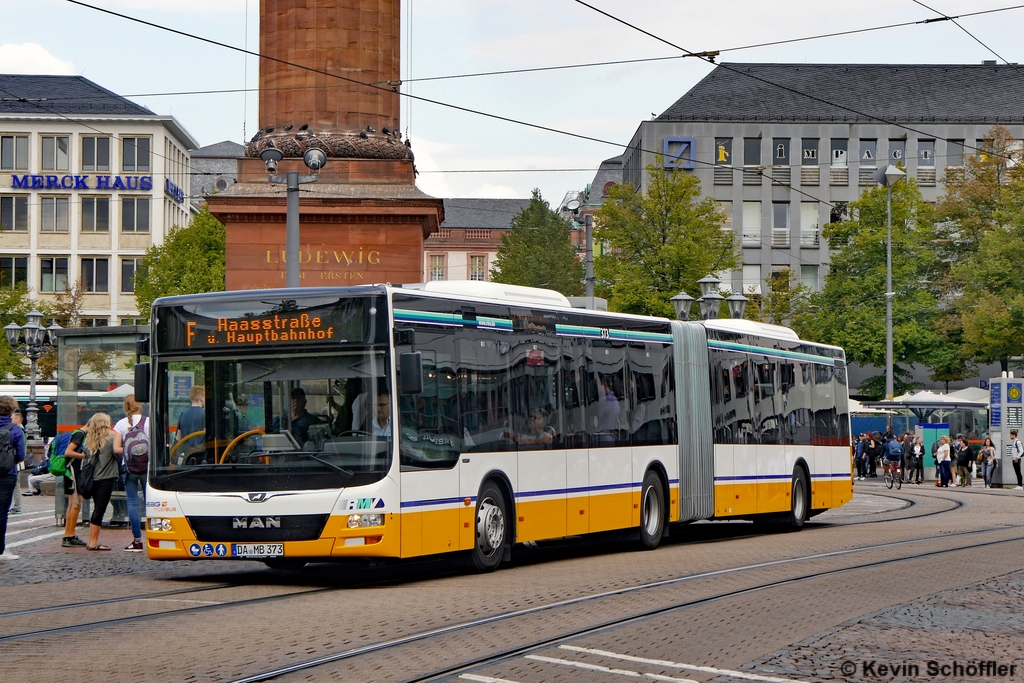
652, 511
491, 529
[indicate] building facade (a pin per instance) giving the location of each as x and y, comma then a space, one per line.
88, 182
214, 169
465, 246
784, 148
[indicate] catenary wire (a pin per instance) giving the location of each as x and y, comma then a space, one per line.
976, 39
773, 84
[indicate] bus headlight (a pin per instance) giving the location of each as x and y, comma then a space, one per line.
159, 524
355, 521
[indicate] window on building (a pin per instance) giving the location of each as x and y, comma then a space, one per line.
840, 148
725, 208
809, 230
869, 152
723, 151
809, 277
897, 152
95, 214
135, 214
839, 212
982, 148
95, 274
14, 213
780, 225
437, 267
809, 152
56, 150
128, 320
751, 151
129, 266
478, 268
954, 152
780, 151
13, 152
95, 153
751, 278
93, 322
13, 271
54, 214
751, 235
135, 154
926, 152
53, 274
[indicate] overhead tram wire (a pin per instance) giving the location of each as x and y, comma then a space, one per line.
974, 37
777, 85
619, 62
428, 100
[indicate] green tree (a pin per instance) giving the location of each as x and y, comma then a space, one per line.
851, 308
537, 251
14, 304
785, 301
660, 243
190, 261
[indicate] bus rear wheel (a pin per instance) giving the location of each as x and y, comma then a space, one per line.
799, 500
652, 511
491, 529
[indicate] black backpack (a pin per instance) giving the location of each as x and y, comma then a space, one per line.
7, 455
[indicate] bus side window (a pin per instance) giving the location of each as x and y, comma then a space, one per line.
608, 415
536, 422
483, 390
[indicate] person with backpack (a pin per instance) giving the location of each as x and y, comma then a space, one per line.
131, 442
66, 458
18, 419
1016, 451
99, 473
12, 453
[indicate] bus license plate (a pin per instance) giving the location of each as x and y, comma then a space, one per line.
257, 549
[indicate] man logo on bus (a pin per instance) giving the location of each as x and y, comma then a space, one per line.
364, 504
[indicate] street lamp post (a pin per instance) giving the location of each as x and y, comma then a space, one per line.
36, 338
892, 175
314, 159
682, 302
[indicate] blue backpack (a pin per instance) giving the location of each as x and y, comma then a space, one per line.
893, 450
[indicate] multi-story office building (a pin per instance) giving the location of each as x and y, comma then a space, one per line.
465, 245
784, 148
88, 182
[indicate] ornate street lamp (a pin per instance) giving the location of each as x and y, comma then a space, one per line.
682, 303
737, 305
36, 339
710, 304
708, 285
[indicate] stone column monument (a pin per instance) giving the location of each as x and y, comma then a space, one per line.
329, 79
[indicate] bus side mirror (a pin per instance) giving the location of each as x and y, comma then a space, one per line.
142, 382
410, 367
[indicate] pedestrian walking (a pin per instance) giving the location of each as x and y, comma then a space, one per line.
858, 457
1017, 450
12, 454
133, 483
942, 461
99, 453
74, 451
908, 448
964, 460
18, 419
990, 459
917, 461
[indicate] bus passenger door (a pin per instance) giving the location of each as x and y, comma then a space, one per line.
538, 433
611, 454
429, 450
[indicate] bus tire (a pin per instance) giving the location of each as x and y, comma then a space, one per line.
491, 529
799, 501
652, 511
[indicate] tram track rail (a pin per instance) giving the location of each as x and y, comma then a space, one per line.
609, 624
156, 595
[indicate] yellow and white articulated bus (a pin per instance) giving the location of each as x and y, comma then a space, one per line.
292, 426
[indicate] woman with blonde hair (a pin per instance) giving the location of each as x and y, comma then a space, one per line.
99, 451
133, 483
942, 462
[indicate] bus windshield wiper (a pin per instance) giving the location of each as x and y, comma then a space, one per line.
328, 463
201, 468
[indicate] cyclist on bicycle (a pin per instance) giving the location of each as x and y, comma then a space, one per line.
892, 453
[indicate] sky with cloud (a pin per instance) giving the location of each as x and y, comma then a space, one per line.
155, 68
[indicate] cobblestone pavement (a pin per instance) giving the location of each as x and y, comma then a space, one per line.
752, 631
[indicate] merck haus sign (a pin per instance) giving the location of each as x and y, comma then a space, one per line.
125, 183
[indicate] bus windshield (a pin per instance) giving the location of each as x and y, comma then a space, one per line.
272, 422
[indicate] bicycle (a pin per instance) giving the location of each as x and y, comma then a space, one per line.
892, 474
